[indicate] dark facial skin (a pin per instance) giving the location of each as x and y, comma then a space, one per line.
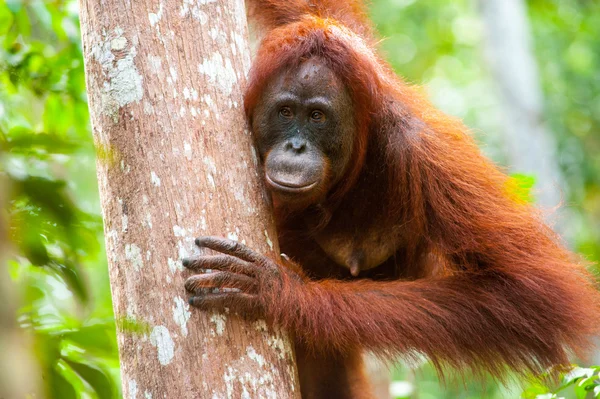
304, 130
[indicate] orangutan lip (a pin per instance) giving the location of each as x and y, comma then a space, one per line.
290, 188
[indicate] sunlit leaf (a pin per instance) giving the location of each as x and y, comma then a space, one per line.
98, 338
6, 19
577, 373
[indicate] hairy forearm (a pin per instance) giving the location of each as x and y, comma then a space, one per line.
516, 311
484, 320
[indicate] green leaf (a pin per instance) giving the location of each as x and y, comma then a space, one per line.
50, 195
587, 382
580, 392
575, 374
99, 338
6, 19
60, 387
23, 21
534, 391
39, 144
96, 377
35, 250
72, 277
14, 5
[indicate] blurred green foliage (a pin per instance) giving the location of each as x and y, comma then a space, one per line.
55, 226
568, 47
582, 383
47, 155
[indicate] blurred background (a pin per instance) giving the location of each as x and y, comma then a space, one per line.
524, 75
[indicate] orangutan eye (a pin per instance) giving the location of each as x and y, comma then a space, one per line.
317, 116
286, 112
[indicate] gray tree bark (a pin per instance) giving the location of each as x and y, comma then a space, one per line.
530, 146
175, 161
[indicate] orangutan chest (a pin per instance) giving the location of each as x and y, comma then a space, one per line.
358, 250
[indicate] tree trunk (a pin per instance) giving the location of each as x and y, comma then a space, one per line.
530, 146
379, 376
175, 161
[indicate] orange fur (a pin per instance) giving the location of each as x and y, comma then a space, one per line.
479, 283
